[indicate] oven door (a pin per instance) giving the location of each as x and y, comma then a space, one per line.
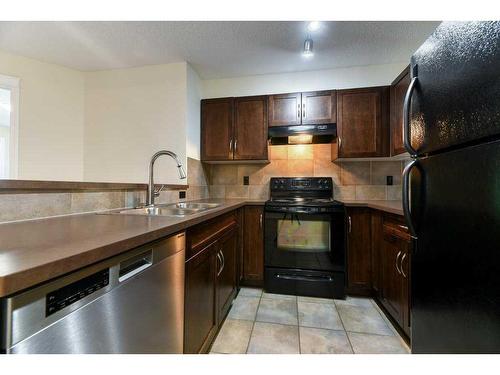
305, 241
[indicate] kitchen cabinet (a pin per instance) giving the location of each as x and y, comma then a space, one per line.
253, 246
250, 128
234, 129
377, 222
395, 271
316, 107
216, 129
226, 273
398, 92
211, 279
359, 260
362, 123
200, 315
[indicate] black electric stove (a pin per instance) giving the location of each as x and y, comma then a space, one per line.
304, 238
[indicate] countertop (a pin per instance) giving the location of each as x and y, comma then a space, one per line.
393, 207
35, 251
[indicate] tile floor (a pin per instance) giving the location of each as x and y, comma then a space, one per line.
262, 323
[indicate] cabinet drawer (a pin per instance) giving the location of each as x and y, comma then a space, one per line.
202, 235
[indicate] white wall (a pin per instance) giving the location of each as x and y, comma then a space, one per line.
129, 115
194, 95
50, 119
342, 78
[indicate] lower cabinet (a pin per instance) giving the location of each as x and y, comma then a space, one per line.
378, 261
200, 310
253, 246
395, 260
359, 261
226, 281
211, 280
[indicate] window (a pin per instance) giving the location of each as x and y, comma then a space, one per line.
9, 112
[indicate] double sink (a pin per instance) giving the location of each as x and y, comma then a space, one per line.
180, 209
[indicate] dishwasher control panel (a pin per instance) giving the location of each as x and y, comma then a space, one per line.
65, 296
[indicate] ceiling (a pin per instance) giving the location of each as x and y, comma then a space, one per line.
214, 49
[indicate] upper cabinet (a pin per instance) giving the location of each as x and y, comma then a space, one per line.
250, 128
362, 123
398, 92
217, 129
317, 107
234, 129
285, 109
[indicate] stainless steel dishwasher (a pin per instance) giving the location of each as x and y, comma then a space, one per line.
130, 303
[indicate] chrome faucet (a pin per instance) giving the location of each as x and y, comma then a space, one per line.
150, 201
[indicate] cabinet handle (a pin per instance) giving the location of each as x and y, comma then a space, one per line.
260, 221
298, 110
397, 259
349, 224
340, 142
230, 145
303, 110
401, 265
223, 261
220, 261
235, 144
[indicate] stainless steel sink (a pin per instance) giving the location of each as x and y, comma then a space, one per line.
181, 209
196, 206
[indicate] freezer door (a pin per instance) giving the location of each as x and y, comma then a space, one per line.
455, 204
455, 100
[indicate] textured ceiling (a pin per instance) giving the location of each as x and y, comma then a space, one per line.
214, 49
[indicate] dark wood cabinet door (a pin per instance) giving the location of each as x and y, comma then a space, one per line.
226, 272
392, 292
285, 109
319, 107
363, 122
200, 314
377, 221
405, 270
359, 258
216, 129
398, 92
250, 128
253, 246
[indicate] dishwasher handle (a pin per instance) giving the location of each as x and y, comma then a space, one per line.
134, 265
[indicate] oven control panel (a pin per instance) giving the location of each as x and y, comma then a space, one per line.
301, 183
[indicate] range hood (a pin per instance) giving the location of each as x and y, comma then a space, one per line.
302, 134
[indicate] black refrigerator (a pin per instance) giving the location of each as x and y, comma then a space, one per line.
451, 189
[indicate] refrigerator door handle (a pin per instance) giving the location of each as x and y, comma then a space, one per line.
406, 198
406, 118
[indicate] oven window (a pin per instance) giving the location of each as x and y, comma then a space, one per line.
303, 235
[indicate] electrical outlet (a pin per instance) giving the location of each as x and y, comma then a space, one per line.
389, 180
182, 194
246, 180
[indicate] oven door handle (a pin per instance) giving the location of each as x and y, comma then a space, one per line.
304, 278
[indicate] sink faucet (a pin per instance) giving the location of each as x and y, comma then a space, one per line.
150, 201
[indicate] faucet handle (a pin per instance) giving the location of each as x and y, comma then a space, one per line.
158, 190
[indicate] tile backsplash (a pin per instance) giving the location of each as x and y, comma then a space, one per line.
353, 180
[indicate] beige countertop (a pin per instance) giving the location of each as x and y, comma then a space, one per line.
35, 251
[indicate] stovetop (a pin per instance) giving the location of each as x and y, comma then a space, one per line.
296, 192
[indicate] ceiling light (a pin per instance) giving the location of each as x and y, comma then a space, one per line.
313, 26
300, 139
308, 48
